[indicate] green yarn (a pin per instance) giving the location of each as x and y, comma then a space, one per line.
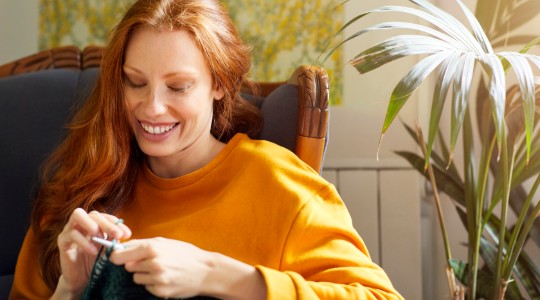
112, 282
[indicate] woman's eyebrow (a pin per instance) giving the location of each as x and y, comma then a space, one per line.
181, 73
187, 72
130, 68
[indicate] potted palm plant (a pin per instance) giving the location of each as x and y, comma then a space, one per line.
504, 154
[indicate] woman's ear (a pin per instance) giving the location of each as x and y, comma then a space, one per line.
219, 93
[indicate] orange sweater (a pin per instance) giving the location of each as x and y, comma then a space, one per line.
260, 204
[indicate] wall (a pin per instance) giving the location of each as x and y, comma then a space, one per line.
18, 31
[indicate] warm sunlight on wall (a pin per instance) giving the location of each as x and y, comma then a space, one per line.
283, 33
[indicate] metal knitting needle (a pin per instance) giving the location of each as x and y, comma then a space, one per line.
106, 243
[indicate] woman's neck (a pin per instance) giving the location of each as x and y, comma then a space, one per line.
190, 159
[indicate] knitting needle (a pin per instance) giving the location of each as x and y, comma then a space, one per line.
106, 243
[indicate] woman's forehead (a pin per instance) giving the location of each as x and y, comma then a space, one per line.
170, 51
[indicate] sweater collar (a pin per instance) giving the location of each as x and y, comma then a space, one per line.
188, 179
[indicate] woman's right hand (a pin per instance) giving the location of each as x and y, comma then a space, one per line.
78, 252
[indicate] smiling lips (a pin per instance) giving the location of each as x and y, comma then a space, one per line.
157, 129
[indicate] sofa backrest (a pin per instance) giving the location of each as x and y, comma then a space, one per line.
34, 108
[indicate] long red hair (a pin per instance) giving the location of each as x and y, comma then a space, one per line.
96, 165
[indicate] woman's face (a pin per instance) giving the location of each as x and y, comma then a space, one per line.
169, 93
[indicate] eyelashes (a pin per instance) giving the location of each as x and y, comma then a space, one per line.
178, 90
133, 85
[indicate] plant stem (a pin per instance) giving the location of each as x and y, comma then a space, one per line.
482, 181
502, 289
440, 216
513, 248
508, 166
471, 203
521, 240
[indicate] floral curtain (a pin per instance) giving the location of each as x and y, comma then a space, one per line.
283, 33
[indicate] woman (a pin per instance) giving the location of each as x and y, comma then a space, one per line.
206, 210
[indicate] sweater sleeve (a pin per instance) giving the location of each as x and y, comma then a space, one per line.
324, 258
27, 283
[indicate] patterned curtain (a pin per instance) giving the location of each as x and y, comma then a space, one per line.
283, 33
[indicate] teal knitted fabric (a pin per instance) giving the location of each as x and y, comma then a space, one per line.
112, 282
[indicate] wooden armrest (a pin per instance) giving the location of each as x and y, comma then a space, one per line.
313, 114
313, 98
313, 93
62, 57
91, 57
66, 57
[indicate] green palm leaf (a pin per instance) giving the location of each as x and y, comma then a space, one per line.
451, 25
388, 26
477, 28
448, 24
454, 36
497, 92
462, 87
395, 48
409, 83
448, 69
525, 77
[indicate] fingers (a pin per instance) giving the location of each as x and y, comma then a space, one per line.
135, 250
80, 220
144, 266
97, 224
81, 226
81, 241
143, 279
108, 227
118, 224
165, 267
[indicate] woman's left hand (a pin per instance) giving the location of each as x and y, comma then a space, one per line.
167, 268
175, 269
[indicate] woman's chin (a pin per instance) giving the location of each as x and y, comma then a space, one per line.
156, 152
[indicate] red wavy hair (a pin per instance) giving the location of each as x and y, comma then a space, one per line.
96, 165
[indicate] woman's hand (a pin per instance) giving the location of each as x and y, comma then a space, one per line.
175, 269
78, 252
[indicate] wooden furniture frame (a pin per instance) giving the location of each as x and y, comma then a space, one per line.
312, 83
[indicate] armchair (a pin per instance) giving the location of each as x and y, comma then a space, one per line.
39, 92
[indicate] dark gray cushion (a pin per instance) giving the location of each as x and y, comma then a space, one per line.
6, 281
280, 113
34, 109
253, 99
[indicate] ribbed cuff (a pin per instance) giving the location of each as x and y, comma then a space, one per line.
279, 285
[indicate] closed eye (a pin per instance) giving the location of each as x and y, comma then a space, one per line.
179, 90
134, 85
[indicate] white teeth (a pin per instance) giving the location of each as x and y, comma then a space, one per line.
157, 129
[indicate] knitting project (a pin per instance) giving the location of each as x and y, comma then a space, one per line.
112, 282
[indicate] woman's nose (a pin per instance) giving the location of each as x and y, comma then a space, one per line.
156, 104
